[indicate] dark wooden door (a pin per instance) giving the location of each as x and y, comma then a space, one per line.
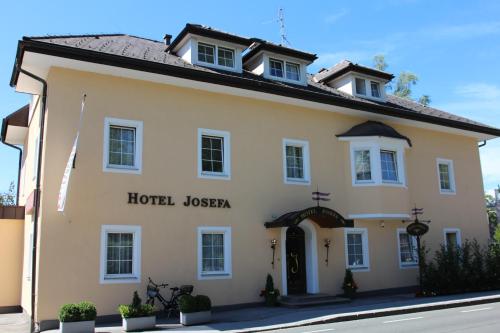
296, 260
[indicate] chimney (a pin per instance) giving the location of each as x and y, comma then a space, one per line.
167, 38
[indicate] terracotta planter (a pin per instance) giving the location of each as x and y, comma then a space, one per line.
194, 318
138, 323
77, 326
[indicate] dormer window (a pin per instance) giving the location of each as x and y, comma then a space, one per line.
360, 86
206, 54
375, 87
292, 71
276, 67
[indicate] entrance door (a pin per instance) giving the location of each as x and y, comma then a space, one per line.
296, 261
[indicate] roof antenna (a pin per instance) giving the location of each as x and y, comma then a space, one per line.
281, 20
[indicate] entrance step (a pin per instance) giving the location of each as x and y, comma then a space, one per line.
311, 300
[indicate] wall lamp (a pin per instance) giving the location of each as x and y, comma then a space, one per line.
274, 241
327, 246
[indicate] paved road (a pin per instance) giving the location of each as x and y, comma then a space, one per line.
479, 318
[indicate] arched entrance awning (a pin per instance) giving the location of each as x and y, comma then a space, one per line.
324, 217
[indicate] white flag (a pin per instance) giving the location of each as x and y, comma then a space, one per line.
61, 201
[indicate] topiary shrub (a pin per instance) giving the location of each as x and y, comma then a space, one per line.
270, 294
349, 285
203, 303
190, 304
136, 308
84, 311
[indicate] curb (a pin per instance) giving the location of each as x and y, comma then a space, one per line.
377, 313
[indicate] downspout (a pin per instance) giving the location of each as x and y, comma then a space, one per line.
18, 168
36, 212
482, 144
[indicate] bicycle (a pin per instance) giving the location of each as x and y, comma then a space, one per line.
169, 306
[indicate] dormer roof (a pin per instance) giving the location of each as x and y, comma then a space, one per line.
209, 32
374, 128
259, 45
344, 67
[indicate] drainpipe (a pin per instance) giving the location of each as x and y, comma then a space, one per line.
36, 212
482, 144
18, 168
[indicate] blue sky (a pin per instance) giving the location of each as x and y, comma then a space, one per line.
453, 46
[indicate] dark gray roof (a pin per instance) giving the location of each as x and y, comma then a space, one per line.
374, 128
150, 55
345, 66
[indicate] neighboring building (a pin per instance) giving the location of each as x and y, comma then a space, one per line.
194, 155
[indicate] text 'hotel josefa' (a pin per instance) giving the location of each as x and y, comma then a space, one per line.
195, 153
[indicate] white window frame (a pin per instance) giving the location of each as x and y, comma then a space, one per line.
135, 277
137, 167
283, 68
356, 87
451, 172
368, 89
289, 63
227, 274
413, 239
226, 158
216, 64
456, 231
267, 68
375, 145
305, 158
378, 89
366, 249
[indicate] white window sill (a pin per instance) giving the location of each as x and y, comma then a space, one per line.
215, 276
214, 175
359, 268
385, 183
408, 266
211, 65
111, 280
447, 192
118, 169
297, 181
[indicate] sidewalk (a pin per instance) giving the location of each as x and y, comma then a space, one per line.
271, 319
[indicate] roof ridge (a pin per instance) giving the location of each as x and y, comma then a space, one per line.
73, 36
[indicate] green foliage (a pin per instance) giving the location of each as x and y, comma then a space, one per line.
136, 308
77, 312
190, 304
270, 294
8, 198
496, 235
349, 285
404, 84
425, 100
379, 62
462, 269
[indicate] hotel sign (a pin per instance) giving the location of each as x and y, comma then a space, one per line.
135, 198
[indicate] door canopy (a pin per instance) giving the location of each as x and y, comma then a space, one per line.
322, 216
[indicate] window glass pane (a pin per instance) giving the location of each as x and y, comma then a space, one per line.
444, 176
121, 146
451, 239
276, 67
212, 252
360, 87
407, 249
362, 165
388, 165
119, 254
375, 87
292, 71
212, 155
355, 249
225, 57
206, 53
294, 162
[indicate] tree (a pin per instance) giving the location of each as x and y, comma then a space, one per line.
492, 215
8, 198
404, 83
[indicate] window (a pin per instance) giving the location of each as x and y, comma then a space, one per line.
225, 57
214, 252
276, 67
360, 87
362, 165
120, 254
389, 166
356, 248
292, 71
407, 246
375, 87
446, 176
213, 154
206, 53
296, 162
452, 237
122, 145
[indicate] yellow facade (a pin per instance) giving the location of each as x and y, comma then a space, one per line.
69, 243
11, 248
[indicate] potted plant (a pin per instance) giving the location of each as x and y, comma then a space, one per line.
137, 316
270, 294
195, 309
349, 286
77, 318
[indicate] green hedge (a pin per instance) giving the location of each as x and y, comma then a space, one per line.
189, 304
82, 311
136, 308
468, 268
